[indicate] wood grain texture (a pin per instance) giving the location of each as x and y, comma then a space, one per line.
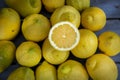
111, 7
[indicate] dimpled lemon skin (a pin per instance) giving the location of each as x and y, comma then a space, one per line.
80, 5
35, 27
28, 54
87, 45
7, 54
46, 71
93, 18
25, 7
66, 13
9, 23
109, 43
51, 5
72, 70
22, 73
52, 55
101, 67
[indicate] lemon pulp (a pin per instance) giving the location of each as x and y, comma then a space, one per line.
64, 36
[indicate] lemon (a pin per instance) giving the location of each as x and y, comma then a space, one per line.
109, 43
72, 70
66, 13
28, 54
64, 36
35, 27
80, 5
52, 55
51, 5
101, 67
22, 73
7, 54
93, 18
87, 45
119, 51
9, 24
25, 7
46, 71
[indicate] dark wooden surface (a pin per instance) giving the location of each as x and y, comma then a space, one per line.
112, 10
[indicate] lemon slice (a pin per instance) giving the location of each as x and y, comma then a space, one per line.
64, 36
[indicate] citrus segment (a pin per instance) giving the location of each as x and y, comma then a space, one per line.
64, 36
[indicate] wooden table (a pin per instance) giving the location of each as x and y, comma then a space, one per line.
112, 10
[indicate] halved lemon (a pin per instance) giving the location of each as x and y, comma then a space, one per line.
64, 36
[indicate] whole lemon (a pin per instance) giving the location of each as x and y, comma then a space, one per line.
22, 73
25, 7
52, 55
109, 43
101, 67
80, 5
87, 45
72, 70
9, 23
51, 5
35, 27
93, 18
68, 38
66, 13
46, 71
7, 54
28, 54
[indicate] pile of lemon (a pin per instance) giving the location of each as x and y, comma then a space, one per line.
70, 29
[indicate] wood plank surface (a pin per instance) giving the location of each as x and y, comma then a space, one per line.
111, 7
112, 10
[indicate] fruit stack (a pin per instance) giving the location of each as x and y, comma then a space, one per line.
66, 28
